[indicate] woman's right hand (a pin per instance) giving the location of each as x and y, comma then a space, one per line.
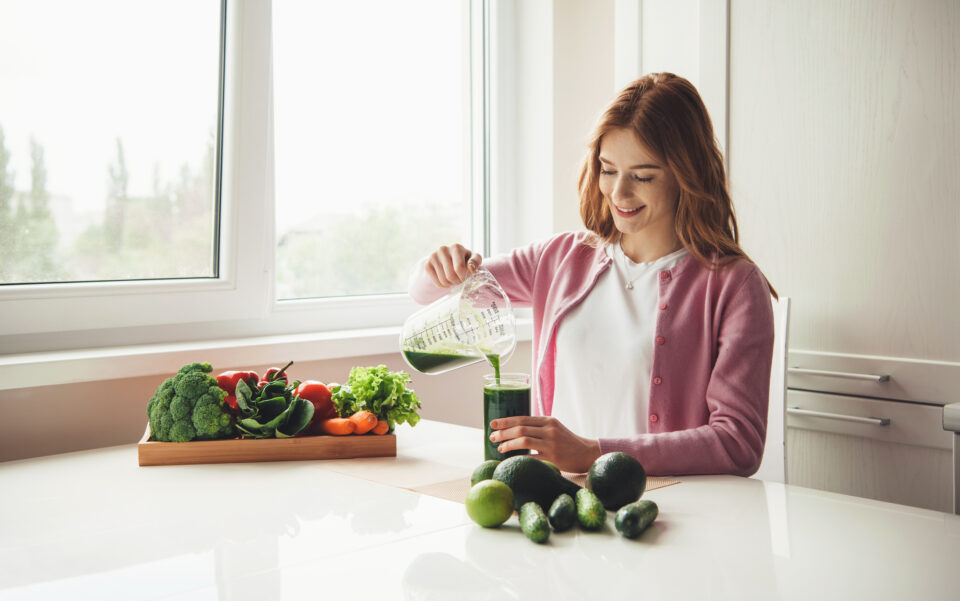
450, 265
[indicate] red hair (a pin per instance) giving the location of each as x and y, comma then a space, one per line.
669, 118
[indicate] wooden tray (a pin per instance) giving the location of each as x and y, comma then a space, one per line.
151, 452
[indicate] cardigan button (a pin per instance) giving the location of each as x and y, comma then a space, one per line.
660, 339
663, 306
664, 275
653, 418
657, 380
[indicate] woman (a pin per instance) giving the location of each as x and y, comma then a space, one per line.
653, 331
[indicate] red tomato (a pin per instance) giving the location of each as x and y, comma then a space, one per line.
317, 393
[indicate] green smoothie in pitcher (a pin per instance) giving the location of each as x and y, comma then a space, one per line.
430, 363
506, 395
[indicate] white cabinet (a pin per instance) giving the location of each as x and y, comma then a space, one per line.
888, 450
844, 141
843, 123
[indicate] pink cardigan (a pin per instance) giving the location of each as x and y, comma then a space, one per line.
711, 361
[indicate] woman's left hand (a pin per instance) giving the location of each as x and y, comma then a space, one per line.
551, 439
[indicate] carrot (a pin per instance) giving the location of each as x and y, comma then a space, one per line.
338, 426
364, 420
381, 427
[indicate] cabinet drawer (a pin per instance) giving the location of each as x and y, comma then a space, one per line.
863, 467
909, 423
911, 380
906, 461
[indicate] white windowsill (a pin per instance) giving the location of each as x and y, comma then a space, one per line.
90, 365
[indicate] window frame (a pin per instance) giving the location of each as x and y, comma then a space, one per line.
240, 300
59, 307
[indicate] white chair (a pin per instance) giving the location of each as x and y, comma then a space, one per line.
773, 467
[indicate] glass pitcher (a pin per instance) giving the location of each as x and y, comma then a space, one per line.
473, 322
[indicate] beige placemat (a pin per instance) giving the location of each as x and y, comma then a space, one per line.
456, 490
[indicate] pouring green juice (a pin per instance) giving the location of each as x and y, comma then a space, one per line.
503, 396
473, 322
494, 360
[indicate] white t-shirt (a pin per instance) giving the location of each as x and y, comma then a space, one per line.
605, 350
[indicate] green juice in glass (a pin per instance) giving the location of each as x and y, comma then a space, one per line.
506, 395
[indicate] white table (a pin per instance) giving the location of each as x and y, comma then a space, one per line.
94, 525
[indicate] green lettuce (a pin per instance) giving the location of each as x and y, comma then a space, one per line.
379, 391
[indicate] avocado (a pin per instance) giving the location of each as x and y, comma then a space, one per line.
484, 471
533, 480
590, 511
632, 519
550, 463
533, 522
617, 479
563, 513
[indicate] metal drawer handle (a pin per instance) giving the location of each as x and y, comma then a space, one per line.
873, 421
838, 374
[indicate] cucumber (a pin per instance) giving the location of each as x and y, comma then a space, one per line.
633, 518
563, 513
590, 510
534, 522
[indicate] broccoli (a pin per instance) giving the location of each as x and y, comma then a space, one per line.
190, 406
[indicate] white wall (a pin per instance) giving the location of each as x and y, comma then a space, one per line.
686, 37
583, 73
670, 39
43, 420
554, 75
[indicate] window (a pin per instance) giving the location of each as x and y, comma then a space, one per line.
372, 103
341, 161
109, 136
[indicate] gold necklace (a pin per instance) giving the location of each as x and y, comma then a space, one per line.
623, 261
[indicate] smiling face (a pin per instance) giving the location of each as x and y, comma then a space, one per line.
641, 193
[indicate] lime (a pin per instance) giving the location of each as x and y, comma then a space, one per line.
490, 503
484, 471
